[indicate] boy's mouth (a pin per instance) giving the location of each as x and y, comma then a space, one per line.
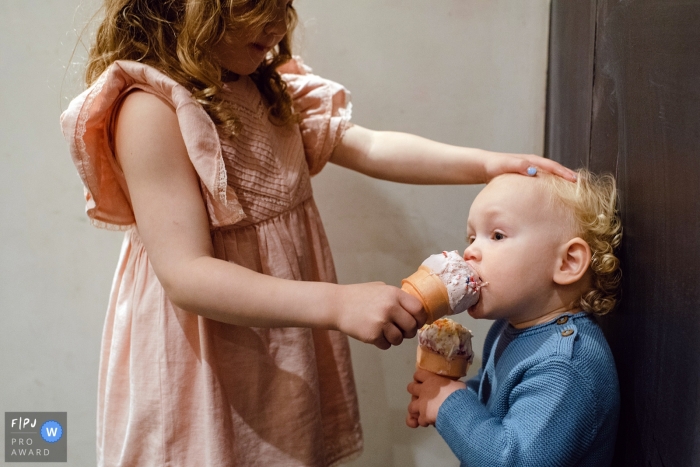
479, 277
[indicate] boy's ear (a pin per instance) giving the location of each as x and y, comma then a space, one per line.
573, 261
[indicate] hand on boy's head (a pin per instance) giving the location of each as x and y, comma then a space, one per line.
428, 392
378, 314
502, 163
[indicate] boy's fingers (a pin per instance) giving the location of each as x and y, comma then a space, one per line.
411, 421
413, 389
412, 415
421, 375
413, 408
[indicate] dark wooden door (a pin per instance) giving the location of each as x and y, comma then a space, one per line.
624, 97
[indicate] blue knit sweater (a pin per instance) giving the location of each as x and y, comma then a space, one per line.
545, 396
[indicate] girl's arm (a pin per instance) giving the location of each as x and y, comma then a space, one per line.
406, 158
172, 222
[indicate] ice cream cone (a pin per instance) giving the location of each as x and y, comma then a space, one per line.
429, 289
453, 368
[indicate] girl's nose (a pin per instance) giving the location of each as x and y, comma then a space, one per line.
278, 25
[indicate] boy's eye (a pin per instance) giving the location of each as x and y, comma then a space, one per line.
470, 239
498, 236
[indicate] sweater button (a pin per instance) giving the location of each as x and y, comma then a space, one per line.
563, 320
567, 332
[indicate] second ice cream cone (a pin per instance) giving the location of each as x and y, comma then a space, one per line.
429, 289
454, 368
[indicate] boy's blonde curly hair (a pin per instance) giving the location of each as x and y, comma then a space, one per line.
593, 206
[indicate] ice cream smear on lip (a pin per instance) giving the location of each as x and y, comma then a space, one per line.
447, 338
463, 284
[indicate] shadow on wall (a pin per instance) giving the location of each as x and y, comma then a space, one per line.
383, 231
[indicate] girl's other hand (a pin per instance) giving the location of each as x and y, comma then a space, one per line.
428, 392
498, 163
378, 314
406, 158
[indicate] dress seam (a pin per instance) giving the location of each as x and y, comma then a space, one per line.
235, 226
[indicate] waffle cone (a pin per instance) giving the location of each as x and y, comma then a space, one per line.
429, 289
453, 368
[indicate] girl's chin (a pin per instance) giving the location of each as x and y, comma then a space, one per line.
241, 67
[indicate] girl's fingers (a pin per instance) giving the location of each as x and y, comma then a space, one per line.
411, 304
526, 164
566, 173
392, 334
414, 316
407, 323
513, 163
550, 166
381, 343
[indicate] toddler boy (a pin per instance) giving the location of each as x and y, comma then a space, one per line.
547, 392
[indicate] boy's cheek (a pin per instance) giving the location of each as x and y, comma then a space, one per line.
486, 301
492, 304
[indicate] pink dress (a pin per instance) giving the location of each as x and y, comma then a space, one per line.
177, 389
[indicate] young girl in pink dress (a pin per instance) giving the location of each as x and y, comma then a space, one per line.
225, 338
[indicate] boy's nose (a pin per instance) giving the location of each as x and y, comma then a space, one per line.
471, 253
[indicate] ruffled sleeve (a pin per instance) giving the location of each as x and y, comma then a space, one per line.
325, 110
85, 125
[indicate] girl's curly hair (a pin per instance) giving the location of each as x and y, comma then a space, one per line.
593, 204
176, 37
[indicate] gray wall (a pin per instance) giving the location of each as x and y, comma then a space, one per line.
467, 72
